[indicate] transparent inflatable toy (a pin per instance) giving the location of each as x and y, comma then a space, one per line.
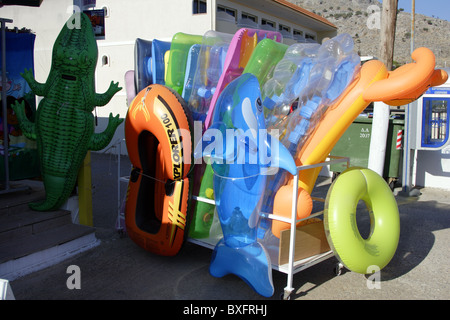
336, 67
331, 69
289, 78
201, 81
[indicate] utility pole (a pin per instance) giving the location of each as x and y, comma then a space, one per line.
413, 18
381, 111
387, 36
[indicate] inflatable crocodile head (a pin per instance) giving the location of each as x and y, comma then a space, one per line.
75, 49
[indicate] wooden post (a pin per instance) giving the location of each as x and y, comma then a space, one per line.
413, 18
85, 192
387, 37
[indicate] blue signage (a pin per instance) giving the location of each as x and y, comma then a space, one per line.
438, 90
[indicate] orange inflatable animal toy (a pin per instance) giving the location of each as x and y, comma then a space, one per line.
159, 142
373, 83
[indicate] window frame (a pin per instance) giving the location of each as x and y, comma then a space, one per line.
196, 6
246, 15
228, 10
296, 32
268, 22
282, 27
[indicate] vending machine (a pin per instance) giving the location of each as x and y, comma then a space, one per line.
426, 128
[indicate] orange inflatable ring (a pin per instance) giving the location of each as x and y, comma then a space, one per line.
158, 138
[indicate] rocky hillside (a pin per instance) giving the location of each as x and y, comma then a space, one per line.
359, 18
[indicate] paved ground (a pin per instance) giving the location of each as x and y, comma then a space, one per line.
119, 269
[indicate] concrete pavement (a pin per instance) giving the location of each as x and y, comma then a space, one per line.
119, 269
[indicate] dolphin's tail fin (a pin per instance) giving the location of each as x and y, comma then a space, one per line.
251, 263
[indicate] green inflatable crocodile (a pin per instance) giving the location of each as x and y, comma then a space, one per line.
64, 125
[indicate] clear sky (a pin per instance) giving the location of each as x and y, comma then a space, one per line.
437, 8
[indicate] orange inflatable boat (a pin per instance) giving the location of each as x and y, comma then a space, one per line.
374, 83
158, 138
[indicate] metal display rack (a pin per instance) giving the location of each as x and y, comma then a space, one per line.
292, 266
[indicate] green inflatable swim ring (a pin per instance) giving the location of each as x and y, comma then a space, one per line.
352, 250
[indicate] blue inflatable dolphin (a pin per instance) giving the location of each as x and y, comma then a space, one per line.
242, 154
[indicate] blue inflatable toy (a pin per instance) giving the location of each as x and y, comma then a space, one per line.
202, 80
289, 79
142, 64
191, 67
242, 155
159, 49
335, 68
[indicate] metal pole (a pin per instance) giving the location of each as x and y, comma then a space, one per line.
288, 289
406, 174
4, 105
409, 148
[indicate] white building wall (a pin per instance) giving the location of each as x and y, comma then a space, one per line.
46, 22
433, 169
263, 15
